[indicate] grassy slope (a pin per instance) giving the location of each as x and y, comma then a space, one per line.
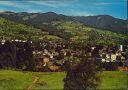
114, 80
50, 80
12, 30
10, 80
79, 32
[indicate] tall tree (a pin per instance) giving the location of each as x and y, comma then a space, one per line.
82, 76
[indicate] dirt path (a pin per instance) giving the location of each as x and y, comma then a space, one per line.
33, 82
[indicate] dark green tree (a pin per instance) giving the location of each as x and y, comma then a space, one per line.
8, 55
82, 75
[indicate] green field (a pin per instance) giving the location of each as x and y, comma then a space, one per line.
10, 80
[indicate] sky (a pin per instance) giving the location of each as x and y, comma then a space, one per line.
115, 8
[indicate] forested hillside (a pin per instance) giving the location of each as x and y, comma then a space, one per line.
11, 30
60, 30
79, 33
106, 22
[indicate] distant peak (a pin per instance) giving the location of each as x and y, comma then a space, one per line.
7, 12
50, 13
105, 15
24, 12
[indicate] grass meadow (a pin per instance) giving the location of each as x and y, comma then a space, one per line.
10, 80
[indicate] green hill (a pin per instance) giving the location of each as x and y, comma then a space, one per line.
79, 33
11, 30
59, 31
100, 21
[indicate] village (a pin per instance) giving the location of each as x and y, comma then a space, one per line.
52, 57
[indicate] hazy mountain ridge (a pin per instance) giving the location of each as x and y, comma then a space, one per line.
105, 22
36, 19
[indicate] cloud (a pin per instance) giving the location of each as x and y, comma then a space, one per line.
110, 2
48, 3
32, 5
1, 11
52, 3
73, 12
8, 3
15, 4
83, 14
28, 6
103, 3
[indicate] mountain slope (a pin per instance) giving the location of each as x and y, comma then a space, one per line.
79, 33
11, 30
106, 22
60, 31
34, 19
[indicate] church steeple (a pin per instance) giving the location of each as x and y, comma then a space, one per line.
3, 40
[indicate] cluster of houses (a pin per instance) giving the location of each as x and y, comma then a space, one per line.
55, 56
113, 56
52, 55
